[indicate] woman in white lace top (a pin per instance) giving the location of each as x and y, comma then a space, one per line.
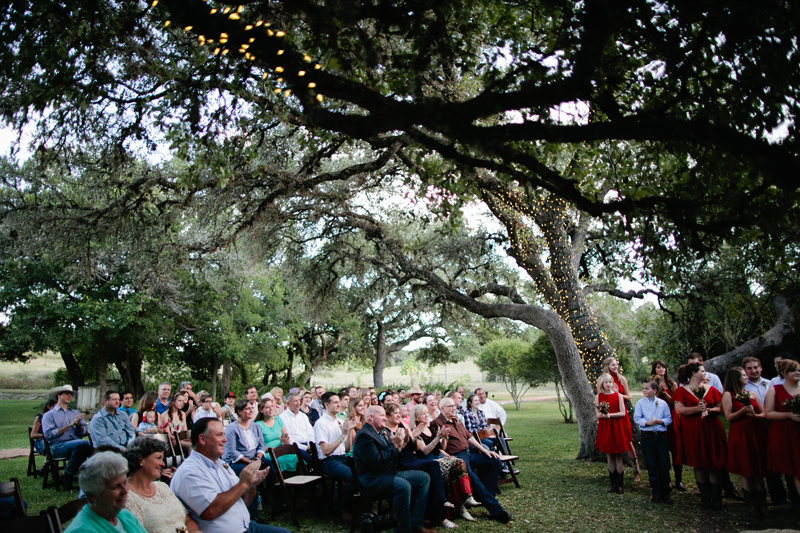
150, 500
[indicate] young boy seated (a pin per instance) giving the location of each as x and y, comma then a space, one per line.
148, 425
652, 416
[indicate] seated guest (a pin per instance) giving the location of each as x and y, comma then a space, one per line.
377, 460
356, 409
344, 402
216, 498
146, 403
150, 500
175, 421
333, 442
110, 427
491, 408
104, 481
475, 419
437, 500
431, 402
484, 487
36, 430
64, 429
164, 390
205, 408
244, 444
148, 425
454, 471
459, 401
274, 433
297, 425
126, 405
305, 407
316, 404
277, 395
228, 412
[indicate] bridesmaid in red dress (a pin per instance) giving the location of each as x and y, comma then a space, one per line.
784, 431
611, 366
701, 441
747, 439
666, 388
612, 437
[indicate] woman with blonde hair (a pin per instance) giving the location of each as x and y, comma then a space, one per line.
611, 367
277, 395
613, 430
356, 409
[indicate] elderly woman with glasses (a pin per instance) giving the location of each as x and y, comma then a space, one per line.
103, 477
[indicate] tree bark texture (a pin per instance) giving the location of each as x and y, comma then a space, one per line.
225, 384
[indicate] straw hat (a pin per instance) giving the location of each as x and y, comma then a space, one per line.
55, 391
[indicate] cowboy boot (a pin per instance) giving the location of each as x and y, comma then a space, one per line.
612, 476
705, 495
621, 482
678, 470
716, 496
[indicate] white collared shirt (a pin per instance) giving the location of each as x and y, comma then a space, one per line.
760, 388
298, 427
328, 430
197, 482
492, 409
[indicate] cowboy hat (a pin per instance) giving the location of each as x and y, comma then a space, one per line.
412, 391
55, 391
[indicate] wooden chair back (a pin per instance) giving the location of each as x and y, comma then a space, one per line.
301, 480
11, 489
31, 524
65, 513
32, 470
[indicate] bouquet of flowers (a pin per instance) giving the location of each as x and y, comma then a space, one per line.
603, 407
699, 392
793, 404
743, 398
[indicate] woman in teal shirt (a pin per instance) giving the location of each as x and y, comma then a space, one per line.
274, 433
103, 477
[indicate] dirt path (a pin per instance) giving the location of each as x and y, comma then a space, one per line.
14, 452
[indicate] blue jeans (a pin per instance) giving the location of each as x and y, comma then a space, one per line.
436, 492
77, 451
484, 487
263, 528
410, 493
335, 467
656, 454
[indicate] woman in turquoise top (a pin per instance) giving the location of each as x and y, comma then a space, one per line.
104, 480
274, 432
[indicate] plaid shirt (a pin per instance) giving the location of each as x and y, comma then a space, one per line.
475, 423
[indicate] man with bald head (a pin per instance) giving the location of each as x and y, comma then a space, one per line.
484, 486
377, 453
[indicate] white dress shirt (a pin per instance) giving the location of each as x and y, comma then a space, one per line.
714, 381
328, 430
298, 427
492, 409
760, 388
197, 482
647, 409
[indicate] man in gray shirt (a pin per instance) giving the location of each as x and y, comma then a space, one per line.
109, 426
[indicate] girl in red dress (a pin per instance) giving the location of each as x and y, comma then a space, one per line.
784, 431
611, 366
701, 441
747, 439
613, 439
666, 388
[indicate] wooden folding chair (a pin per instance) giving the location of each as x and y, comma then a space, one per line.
65, 513
301, 480
501, 432
363, 500
31, 524
32, 455
11, 489
52, 468
508, 460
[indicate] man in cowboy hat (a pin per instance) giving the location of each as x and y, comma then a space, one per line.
64, 429
414, 396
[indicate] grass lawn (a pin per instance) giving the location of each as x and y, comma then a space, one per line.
558, 494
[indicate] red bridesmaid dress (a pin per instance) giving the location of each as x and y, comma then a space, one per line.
701, 440
613, 434
674, 428
784, 439
747, 444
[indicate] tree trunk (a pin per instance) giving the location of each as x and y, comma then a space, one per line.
129, 366
76, 378
753, 347
225, 385
380, 356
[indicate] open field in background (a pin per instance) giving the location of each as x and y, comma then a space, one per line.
35, 374
558, 494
